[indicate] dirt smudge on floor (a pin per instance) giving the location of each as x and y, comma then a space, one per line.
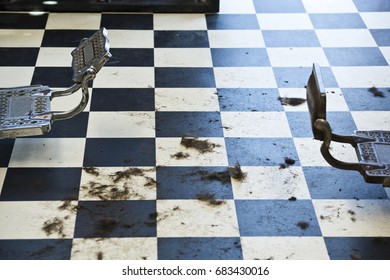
44, 251
203, 146
287, 162
67, 205
106, 226
92, 170
54, 226
107, 192
180, 155
117, 185
221, 176
376, 92
237, 173
291, 101
210, 199
126, 174
303, 224
225, 176
352, 213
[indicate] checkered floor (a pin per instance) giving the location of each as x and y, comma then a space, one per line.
151, 169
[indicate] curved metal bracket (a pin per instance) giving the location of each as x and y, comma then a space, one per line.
66, 92
89, 75
325, 128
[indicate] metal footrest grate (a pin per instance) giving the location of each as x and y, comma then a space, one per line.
25, 111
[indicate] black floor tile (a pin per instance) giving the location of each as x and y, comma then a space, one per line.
14, 57
109, 219
122, 99
374, 99
277, 218
249, 100
131, 57
231, 22
35, 184
22, 21
279, 6
181, 39
35, 249
225, 57
193, 182
358, 248
260, 151
127, 21
65, 38
60, 77
325, 182
6, 147
184, 77
196, 124
120, 152
201, 248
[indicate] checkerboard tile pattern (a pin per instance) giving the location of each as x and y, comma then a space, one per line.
147, 170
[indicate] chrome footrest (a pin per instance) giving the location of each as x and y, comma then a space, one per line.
375, 152
25, 111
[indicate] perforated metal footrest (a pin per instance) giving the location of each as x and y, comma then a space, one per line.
375, 152
25, 111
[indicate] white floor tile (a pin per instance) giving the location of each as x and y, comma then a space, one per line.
284, 248
362, 77
343, 38
236, 39
372, 120
335, 100
36, 220
186, 99
167, 148
231, 7
103, 183
48, 152
376, 20
131, 38
353, 217
310, 155
114, 249
284, 21
296, 57
28, 38
330, 6
179, 22
3, 171
121, 124
15, 76
182, 57
193, 218
244, 77
73, 21
55, 57
255, 124
125, 77
271, 182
